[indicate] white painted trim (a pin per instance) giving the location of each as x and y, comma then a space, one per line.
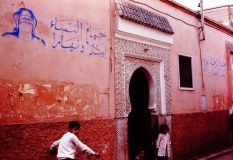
162, 85
139, 39
188, 89
184, 88
143, 31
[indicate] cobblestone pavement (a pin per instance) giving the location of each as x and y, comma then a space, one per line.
226, 156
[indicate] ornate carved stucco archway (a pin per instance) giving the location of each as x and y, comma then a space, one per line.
132, 64
131, 55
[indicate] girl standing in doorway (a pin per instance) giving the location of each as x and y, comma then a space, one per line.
163, 143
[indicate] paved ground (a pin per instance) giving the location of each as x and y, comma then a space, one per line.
226, 156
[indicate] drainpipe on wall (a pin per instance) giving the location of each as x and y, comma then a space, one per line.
203, 97
229, 14
202, 20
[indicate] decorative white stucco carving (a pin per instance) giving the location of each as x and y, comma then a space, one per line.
152, 59
131, 64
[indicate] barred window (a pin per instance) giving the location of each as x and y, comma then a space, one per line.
185, 69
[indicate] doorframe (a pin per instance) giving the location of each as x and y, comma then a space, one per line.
144, 112
131, 54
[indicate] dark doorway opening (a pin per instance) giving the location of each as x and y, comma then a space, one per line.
139, 120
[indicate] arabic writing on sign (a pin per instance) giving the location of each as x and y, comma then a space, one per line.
76, 36
214, 67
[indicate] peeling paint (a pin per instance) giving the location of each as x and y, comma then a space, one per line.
47, 101
59, 115
219, 102
79, 101
87, 107
66, 88
58, 98
50, 106
26, 88
73, 91
9, 85
65, 98
47, 85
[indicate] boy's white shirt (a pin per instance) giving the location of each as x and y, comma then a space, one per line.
162, 142
67, 146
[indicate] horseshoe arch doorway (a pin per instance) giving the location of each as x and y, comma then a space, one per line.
142, 95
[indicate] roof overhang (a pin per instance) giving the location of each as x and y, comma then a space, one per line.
151, 28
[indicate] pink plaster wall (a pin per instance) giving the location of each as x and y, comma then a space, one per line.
213, 50
190, 124
50, 82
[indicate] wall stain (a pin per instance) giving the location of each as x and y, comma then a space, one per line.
219, 102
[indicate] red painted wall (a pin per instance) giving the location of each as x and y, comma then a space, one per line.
199, 133
32, 140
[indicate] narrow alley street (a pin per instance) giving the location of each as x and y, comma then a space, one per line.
132, 79
227, 156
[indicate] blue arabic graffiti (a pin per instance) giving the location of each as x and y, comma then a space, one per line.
26, 23
74, 35
214, 67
